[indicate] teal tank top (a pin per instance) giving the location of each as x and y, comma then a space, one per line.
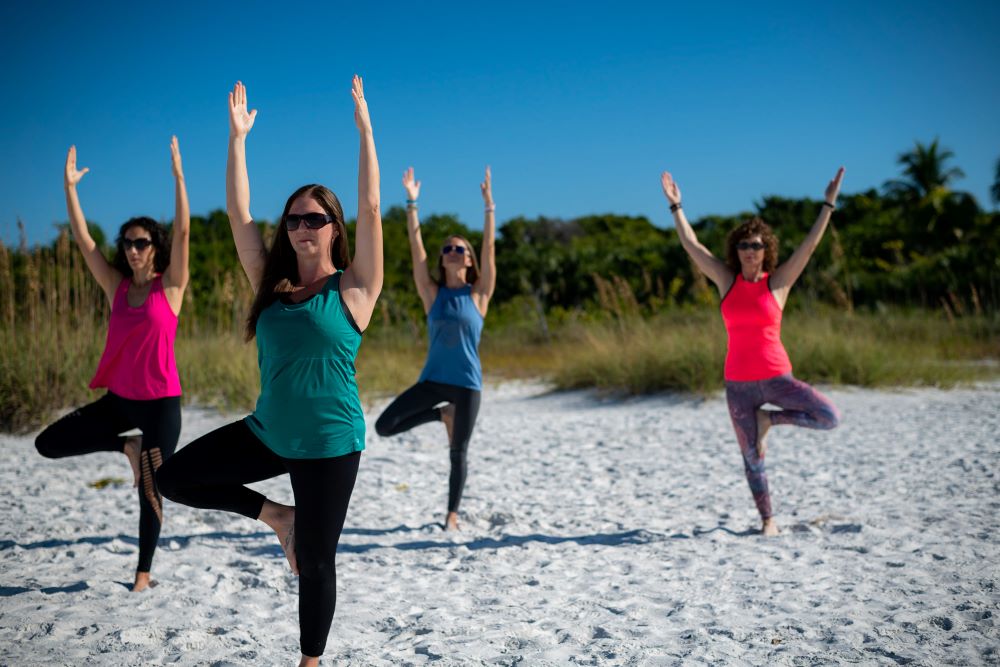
309, 406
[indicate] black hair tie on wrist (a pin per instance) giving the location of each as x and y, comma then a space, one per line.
832, 207
675, 207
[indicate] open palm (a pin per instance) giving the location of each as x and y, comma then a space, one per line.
412, 186
73, 175
240, 120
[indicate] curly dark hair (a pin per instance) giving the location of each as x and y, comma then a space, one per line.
281, 266
753, 227
471, 272
161, 245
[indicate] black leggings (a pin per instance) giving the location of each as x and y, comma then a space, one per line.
96, 427
416, 406
210, 474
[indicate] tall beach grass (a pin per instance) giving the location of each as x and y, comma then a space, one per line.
53, 323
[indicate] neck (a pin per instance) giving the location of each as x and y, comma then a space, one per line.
311, 270
142, 277
454, 279
752, 274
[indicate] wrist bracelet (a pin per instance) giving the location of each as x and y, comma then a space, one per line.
411, 206
491, 208
675, 207
411, 201
832, 207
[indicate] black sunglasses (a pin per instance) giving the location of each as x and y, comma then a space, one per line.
139, 244
747, 245
460, 249
310, 220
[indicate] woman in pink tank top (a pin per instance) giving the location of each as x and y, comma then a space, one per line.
145, 286
754, 289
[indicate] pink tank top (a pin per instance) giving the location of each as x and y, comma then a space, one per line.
753, 323
138, 360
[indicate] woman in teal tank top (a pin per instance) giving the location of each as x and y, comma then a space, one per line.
311, 305
449, 386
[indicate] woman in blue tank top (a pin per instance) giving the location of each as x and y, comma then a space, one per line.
311, 305
449, 386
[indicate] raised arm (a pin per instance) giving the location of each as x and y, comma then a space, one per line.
788, 272
176, 278
249, 244
714, 268
107, 276
482, 291
426, 288
362, 282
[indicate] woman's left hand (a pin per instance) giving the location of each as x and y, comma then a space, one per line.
361, 118
833, 189
175, 158
487, 188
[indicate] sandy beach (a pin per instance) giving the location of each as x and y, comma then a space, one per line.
596, 531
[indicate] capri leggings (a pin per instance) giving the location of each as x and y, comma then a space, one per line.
417, 405
800, 404
210, 473
96, 427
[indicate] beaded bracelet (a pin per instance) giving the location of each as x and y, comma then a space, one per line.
675, 207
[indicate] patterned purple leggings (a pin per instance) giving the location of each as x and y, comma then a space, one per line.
800, 405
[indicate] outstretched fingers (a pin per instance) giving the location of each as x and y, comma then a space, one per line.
670, 189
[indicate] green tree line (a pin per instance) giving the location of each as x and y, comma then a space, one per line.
918, 242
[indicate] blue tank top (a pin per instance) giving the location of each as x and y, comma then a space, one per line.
454, 326
308, 406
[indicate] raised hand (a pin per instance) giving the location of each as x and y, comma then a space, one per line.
833, 188
240, 121
670, 189
486, 187
361, 118
412, 186
73, 175
175, 158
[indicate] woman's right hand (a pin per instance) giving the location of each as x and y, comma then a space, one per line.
240, 121
670, 189
73, 175
412, 186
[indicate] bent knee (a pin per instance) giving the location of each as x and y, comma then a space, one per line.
829, 418
166, 482
46, 446
384, 427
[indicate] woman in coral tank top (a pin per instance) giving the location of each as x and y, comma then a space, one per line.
145, 286
754, 290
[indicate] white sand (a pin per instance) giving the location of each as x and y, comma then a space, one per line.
596, 532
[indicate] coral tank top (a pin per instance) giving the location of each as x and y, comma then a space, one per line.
753, 323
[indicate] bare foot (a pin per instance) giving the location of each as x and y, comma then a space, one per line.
451, 522
770, 528
142, 582
308, 661
281, 519
448, 417
763, 426
132, 449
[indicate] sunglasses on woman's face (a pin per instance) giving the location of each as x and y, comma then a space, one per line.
139, 244
460, 249
750, 245
310, 220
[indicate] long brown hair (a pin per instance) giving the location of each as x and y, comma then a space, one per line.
281, 268
471, 272
753, 227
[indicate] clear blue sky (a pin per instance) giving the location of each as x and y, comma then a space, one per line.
577, 109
